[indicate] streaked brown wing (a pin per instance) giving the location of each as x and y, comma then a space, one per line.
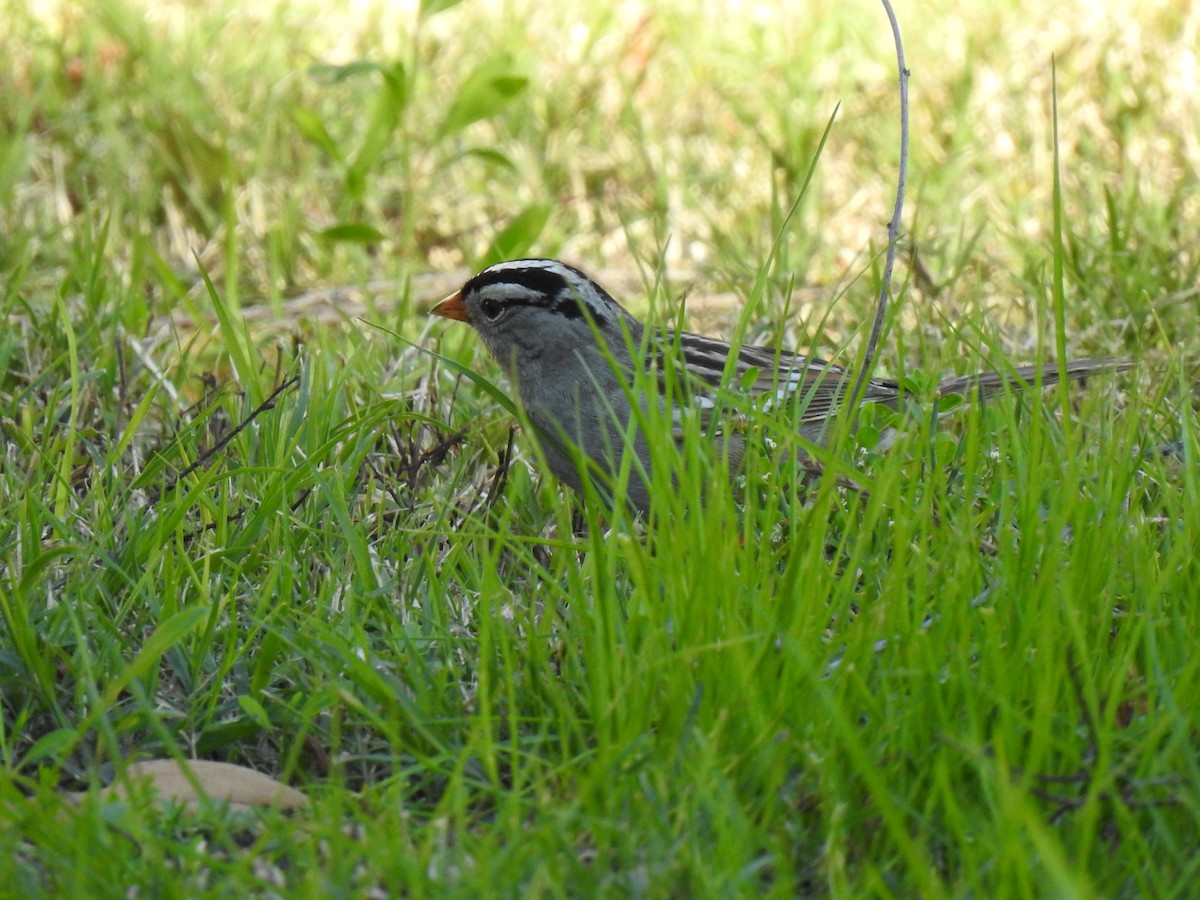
816, 386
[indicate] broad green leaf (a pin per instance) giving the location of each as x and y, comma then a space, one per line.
325, 73
54, 745
493, 156
948, 402
918, 382
486, 91
384, 119
313, 130
254, 710
515, 239
226, 734
868, 436
352, 233
169, 633
945, 448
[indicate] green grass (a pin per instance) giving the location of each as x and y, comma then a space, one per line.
977, 678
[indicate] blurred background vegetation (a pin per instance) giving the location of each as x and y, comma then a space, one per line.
291, 145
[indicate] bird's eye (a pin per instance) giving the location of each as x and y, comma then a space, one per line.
491, 308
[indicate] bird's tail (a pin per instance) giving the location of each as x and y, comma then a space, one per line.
1020, 378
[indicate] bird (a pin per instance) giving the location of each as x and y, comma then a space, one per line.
572, 352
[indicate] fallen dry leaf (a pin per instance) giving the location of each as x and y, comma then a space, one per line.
189, 783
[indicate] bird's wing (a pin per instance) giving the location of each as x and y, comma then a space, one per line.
1022, 377
813, 387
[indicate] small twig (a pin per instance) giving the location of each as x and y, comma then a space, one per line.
387, 485
501, 479
237, 515
205, 457
433, 456
122, 382
894, 224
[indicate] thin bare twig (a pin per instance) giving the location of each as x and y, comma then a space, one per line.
216, 448
501, 479
237, 515
894, 224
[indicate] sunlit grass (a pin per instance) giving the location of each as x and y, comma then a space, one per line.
974, 677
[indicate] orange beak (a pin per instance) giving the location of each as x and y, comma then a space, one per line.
452, 308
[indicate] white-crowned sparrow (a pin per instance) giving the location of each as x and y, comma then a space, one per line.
572, 350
